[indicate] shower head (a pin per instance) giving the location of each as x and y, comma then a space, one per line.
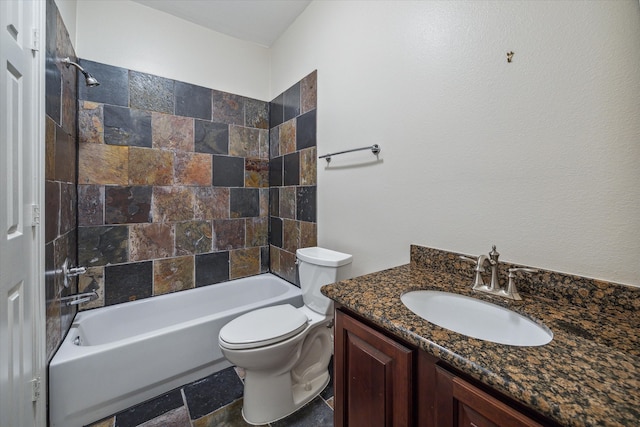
89, 79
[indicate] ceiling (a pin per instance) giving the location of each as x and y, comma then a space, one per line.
257, 21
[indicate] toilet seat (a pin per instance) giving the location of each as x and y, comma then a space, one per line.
263, 327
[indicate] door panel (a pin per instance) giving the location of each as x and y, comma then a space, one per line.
19, 271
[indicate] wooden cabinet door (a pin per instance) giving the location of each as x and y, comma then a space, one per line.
461, 404
373, 377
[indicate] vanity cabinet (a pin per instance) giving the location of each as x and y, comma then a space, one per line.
380, 381
460, 404
373, 377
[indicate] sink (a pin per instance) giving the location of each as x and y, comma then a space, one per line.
476, 318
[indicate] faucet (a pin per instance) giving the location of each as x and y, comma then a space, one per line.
494, 287
480, 261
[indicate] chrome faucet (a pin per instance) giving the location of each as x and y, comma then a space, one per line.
510, 291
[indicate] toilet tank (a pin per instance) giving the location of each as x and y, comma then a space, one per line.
318, 267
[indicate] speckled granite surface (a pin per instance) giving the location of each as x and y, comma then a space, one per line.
588, 375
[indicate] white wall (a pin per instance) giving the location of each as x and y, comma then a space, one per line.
133, 36
540, 156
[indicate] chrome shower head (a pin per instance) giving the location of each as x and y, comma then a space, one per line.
89, 79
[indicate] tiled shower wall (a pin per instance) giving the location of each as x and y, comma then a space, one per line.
178, 185
172, 185
292, 179
60, 176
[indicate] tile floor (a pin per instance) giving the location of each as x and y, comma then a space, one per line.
215, 401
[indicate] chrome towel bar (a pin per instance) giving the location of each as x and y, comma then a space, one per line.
375, 149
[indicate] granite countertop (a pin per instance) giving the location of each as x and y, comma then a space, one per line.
588, 375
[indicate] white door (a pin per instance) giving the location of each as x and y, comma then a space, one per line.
21, 242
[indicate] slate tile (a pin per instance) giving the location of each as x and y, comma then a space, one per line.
274, 142
90, 122
256, 113
172, 204
315, 414
308, 92
172, 132
149, 410
211, 137
51, 210
256, 173
228, 171
287, 197
150, 166
275, 232
276, 111
228, 108
193, 169
257, 232
306, 130
50, 149
306, 203
173, 274
175, 418
228, 234
288, 267
227, 416
211, 203
65, 156
53, 90
193, 237
245, 262
291, 102
124, 205
264, 259
114, 84
150, 92
52, 303
263, 194
274, 201
68, 212
151, 241
127, 126
264, 143
212, 268
92, 280
287, 137
290, 235
113, 161
244, 142
192, 101
292, 169
103, 245
308, 166
276, 171
244, 202
308, 234
213, 392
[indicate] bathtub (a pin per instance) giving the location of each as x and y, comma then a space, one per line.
121, 355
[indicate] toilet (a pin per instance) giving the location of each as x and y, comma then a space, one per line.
285, 351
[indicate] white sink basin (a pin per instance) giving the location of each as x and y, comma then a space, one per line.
476, 318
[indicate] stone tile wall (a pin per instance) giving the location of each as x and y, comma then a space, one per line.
292, 175
172, 185
60, 176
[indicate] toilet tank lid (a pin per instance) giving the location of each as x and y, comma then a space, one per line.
322, 256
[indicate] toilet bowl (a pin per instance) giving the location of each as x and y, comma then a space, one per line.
285, 351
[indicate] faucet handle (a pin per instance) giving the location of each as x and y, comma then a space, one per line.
512, 291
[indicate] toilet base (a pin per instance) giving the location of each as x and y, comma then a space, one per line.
263, 406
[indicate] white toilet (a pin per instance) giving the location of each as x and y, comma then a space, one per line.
285, 351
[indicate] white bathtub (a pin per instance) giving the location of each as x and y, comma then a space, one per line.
131, 352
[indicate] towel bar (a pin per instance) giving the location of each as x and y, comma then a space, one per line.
375, 149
